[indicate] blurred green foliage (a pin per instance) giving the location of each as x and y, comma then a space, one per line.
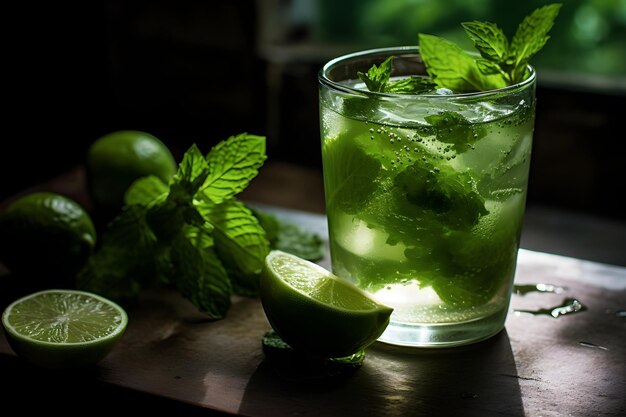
589, 36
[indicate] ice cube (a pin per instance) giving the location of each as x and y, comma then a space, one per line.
333, 125
355, 236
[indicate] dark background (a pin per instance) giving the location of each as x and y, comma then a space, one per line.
199, 71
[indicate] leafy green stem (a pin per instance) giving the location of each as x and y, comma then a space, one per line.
502, 62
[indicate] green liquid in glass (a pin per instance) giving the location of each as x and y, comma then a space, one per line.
425, 207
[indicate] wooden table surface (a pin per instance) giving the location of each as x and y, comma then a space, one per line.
171, 360
573, 365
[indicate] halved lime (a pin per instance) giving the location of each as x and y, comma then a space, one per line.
63, 328
315, 311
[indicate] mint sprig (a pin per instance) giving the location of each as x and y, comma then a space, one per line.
233, 163
501, 62
451, 67
191, 233
488, 39
290, 237
530, 37
199, 273
377, 79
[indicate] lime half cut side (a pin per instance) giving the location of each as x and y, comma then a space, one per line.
63, 328
315, 311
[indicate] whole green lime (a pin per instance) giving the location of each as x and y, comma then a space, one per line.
46, 235
119, 158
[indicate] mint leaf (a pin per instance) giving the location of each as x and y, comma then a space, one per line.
131, 229
453, 128
461, 291
191, 234
289, 237
233, 163
377, 80
108, 273
239, 238
503, 63
479, 260
489, 68
296, 365
123, 263
146, 191
166, 219
488, 39
191, 175
451, 67
298, 241
450, 194
349, 173
193, 168
377, 77
200, 276
530, 37
411, 85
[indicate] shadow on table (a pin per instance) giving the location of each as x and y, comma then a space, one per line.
80, 393
476, 380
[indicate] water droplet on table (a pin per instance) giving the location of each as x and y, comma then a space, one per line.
592, 345
569, 306
526, 288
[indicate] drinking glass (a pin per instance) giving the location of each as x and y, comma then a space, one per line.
425, 196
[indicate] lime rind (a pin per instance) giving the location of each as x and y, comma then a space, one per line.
308, 323
50, 227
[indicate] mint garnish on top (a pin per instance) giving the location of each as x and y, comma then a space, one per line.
378, 79
501, 62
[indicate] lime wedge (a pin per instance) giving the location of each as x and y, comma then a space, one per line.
315, 311
63, 328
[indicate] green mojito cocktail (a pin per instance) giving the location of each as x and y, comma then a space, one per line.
425, 196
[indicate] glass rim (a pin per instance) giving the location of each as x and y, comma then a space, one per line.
403, 50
